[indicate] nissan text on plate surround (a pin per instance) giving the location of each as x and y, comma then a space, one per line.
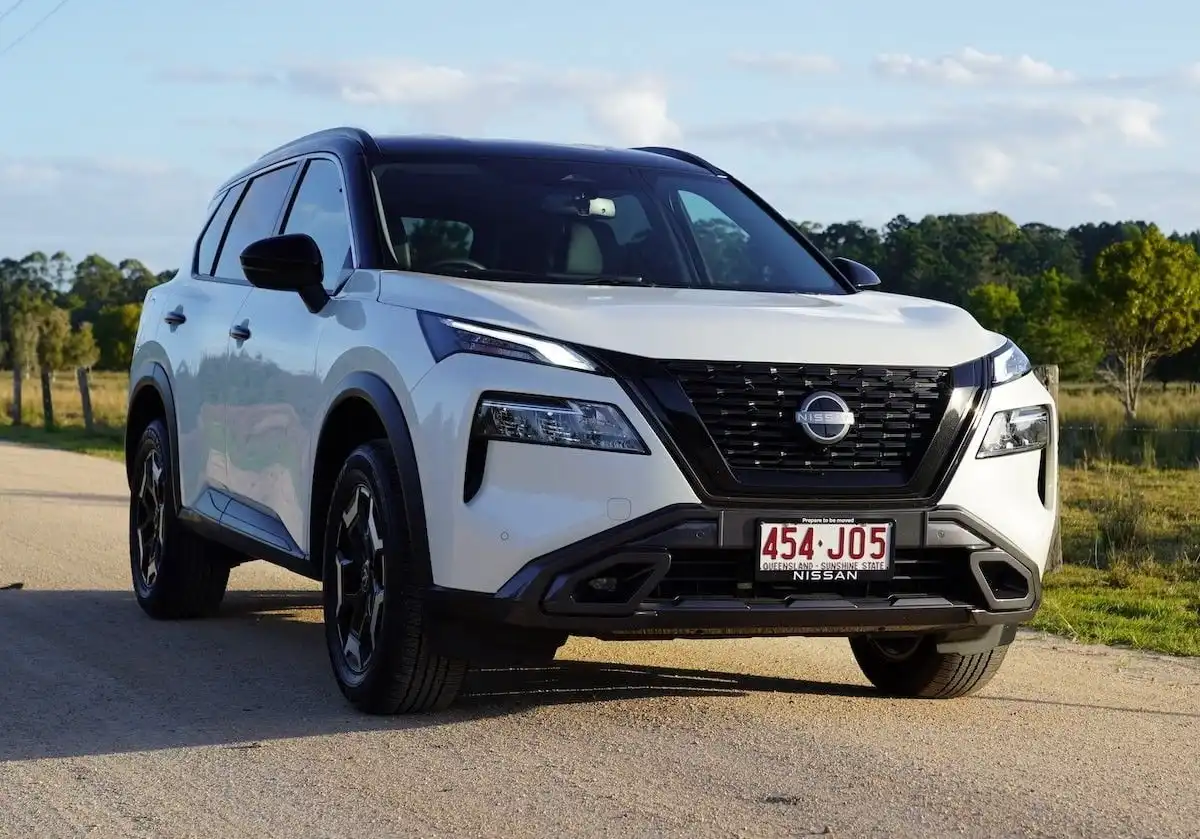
492, 394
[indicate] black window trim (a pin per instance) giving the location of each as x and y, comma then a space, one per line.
241, 184
290, 201
215, 205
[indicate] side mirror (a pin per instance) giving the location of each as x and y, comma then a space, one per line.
291, 262
858, 274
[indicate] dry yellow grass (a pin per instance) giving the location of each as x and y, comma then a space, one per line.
1178, 406
108, 399
1081, 405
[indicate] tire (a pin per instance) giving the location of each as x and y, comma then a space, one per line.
913, 668
380, 653
176, 573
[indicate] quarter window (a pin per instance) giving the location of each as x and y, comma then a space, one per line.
254, 219
206, 253
320, 211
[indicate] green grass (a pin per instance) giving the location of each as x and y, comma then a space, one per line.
104, 442
1131, 536
1139, 609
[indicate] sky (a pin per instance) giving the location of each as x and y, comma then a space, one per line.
119, 118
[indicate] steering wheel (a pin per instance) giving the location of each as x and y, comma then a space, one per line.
456, 260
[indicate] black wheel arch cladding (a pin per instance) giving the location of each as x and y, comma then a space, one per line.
148, 380
377, 394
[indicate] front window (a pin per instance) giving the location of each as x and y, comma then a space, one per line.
556, 221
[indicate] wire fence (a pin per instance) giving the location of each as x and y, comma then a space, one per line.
1162, 448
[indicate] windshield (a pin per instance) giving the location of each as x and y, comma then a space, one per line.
529, 220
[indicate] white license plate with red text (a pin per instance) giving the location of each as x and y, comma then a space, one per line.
825, 549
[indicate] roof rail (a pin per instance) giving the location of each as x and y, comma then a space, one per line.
679, 154
347, 132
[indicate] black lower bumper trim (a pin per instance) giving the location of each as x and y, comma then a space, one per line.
612, 585
717, 618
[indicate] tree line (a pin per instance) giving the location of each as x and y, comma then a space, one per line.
1116, 301
1119, 301
56, 314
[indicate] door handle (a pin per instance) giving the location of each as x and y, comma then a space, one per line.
175, 318
241, 332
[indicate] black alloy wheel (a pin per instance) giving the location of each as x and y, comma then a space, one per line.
176, 573
149, 520
361, 580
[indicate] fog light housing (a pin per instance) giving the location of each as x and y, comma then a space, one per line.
568, 423
1018, 430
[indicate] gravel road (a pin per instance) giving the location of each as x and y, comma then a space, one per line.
114, 725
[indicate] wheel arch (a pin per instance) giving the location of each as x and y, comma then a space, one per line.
366, 407
150, 398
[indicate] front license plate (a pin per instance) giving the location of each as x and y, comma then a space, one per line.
824, 550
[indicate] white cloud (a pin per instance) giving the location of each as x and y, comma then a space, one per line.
786, 63
986, 146
118, 208
970, 66
626, 109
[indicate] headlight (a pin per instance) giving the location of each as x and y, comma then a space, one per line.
572, 423
1009, 364
1019, 430
446, 336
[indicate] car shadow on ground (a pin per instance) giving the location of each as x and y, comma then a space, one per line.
87, 673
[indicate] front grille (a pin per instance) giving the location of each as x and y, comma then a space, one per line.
729, 573
749, 411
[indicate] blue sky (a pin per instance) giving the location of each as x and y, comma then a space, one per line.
120, 117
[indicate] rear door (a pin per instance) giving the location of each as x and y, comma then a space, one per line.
194, 333
200, 320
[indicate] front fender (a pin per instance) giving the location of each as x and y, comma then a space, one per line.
372, 389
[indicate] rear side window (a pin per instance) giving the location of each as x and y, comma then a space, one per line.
206, 253
319, 209
254, 218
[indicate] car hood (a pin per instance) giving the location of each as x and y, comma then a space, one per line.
870, 328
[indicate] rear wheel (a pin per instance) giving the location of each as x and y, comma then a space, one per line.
380, 652
911, 666
176, 573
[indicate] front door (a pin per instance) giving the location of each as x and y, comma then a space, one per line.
274, 392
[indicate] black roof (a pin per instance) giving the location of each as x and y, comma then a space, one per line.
347, 140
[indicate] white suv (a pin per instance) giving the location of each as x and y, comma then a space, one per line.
493, 394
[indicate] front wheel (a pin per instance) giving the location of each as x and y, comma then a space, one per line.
912, 667
378, 646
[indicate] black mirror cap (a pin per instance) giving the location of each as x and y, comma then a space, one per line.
291, 262
859, 275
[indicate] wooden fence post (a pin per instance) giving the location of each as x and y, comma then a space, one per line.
83, 375
47, 399
1048, 375
18, 377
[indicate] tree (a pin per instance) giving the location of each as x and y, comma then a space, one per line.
1054, 332
25, 331
82, 350
54, 337
1143, 304
98, 283
997, 308
116, 330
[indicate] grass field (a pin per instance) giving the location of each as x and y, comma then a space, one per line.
1131, 535
1176, 407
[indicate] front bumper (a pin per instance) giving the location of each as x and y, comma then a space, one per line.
687, 571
